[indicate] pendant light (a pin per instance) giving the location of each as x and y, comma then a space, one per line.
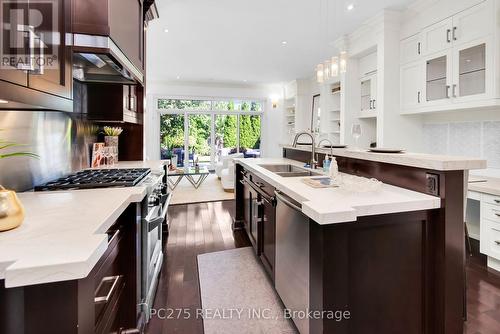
334, 68
327, 67
320, 74
343, 61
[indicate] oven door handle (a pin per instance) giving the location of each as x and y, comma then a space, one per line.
160, 218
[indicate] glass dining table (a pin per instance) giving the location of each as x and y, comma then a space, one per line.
195, 175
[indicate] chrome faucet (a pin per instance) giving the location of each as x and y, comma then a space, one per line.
313, 162
330, 142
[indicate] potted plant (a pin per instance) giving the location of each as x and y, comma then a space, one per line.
111, 138
111, 135
11, 209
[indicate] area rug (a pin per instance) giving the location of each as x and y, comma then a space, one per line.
210, 191
237, 296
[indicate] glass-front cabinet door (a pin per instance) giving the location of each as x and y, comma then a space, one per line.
437, 79
472, 72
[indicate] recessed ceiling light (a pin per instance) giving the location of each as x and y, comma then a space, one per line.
245, 80
165, 30
284, 42
3, 101
350, 6
178, 77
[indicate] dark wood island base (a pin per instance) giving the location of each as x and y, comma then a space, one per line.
391, 273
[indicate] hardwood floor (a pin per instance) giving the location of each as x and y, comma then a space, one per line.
206, 227
194, 229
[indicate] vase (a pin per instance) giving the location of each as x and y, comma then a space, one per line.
11, 210
112, 141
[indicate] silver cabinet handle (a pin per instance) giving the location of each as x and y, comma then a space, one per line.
453, 91
447, 91
259, 184
418, 97
448, 31
30, 30
280, 197
497, 201
454, 33
497, 242
105, 299
374, 107
418, 48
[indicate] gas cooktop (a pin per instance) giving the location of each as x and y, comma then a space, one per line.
97, 178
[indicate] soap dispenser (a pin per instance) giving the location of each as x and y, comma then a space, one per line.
326, 164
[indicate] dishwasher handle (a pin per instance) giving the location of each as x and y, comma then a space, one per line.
283, 198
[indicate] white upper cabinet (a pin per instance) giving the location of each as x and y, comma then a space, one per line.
458, 63
473, 71
411, 49
437, 37
368, 94
412, 85
473, 23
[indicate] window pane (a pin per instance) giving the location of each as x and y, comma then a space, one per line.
225, 135
250, 135
256, 106
199, 139
223, 105
172, 137
184, 104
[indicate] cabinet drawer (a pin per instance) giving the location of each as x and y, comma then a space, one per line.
492, 239
264, 186
492, 199
491, 212
109, 279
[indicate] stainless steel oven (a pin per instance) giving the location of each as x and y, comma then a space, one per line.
153, 222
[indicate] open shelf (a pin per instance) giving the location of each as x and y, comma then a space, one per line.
368, 114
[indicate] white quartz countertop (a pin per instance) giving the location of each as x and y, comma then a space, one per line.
420, 160
490, 185
156, 166
337, 205
63, 235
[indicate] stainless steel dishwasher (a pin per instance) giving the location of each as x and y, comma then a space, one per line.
292, 257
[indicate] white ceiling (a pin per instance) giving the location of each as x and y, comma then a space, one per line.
238, 41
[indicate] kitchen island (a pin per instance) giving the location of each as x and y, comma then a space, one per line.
392, 260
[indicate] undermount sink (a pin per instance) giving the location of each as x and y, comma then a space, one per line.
289, 170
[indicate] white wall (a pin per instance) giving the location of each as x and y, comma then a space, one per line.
271, 120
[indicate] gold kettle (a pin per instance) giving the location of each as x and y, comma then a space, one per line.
11, 210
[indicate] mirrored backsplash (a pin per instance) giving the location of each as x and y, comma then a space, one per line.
62, 143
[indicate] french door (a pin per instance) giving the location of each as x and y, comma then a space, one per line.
207, 136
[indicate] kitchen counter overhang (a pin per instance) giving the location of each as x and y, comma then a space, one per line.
63, 235
418, 160
335, 205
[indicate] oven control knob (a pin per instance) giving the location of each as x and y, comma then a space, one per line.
153, 200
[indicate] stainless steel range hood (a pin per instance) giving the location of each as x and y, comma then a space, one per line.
98, 59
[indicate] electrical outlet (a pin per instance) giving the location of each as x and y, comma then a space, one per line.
432, 184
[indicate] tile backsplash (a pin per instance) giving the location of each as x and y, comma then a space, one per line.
472, 138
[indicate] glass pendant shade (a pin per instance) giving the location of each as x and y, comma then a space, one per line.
343, 62
320, 73
327, 70
334, 68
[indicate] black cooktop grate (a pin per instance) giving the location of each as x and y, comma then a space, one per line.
97, 178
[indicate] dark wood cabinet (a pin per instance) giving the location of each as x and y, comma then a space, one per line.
103, 302
112, 102
54, 75
256, 210
268, 234
40, 60
246, 206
